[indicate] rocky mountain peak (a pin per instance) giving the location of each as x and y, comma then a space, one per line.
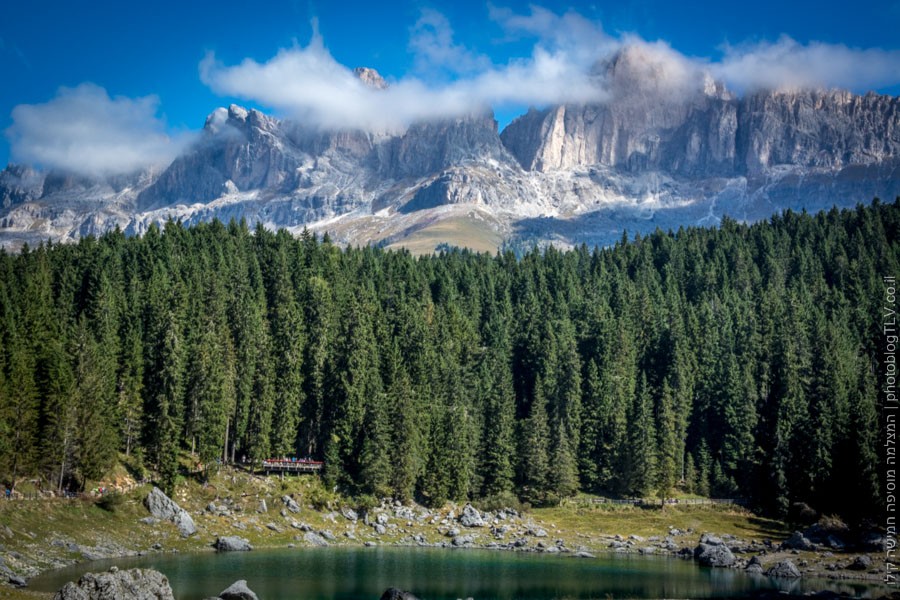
642, 69
370, 77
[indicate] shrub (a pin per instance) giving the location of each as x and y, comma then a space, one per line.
111, 501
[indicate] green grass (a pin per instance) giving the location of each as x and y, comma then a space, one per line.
609, 520
471, 233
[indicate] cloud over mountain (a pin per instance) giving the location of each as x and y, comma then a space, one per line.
788, 63
307, 83
82, 130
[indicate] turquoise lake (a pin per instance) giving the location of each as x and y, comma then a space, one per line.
443, 574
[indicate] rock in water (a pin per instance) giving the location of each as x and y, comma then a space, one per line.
238, 591
471, 517
133, 584
710, 555
232, 543
395, 594
785, 569
163, 507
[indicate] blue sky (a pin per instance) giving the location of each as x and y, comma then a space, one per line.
155, 72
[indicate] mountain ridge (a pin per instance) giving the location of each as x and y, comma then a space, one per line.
661, 151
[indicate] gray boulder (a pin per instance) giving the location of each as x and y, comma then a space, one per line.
754, 569
184, 523
16, 581
133, 584
379, 529
861, 563
471, 517
290, 504
238, 591
463, 540
232, 543
710, 555
711, 540
784, 568
160, 505
754, 566
262, 507
315, 539
798, 541
395, 594
536, 532
164, 508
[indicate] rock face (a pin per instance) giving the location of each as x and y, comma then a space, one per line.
232, 543
701, 129
163, 507
665, 147
133, 584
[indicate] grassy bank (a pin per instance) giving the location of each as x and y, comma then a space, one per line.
44, 534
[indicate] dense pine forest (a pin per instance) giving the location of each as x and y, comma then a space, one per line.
740, 361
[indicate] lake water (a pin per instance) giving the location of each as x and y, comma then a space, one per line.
441, 574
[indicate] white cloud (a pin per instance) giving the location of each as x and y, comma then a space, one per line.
787, 63
431, 41
83, 130
306, 83
567, 64
581, 39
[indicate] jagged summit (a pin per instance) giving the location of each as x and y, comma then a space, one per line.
370, 77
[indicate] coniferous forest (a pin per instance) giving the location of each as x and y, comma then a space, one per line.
741, 361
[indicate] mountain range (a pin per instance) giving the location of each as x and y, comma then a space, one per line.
656, 152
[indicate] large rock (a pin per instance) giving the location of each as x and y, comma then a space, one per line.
290, 504
184, 523
160, 505
238, 591
714, 555
784, 568
395, 594
163, 507
471, 517
798, 541
232, 543
860, 563
133, 584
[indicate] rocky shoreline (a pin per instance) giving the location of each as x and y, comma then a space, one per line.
818, 551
